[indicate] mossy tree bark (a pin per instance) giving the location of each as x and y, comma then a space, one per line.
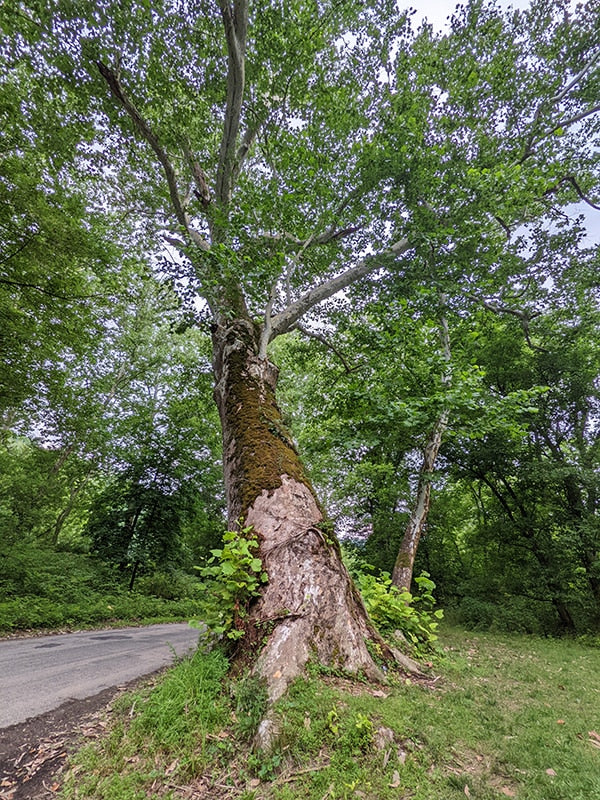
309, 608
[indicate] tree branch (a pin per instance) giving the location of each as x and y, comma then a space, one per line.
561, 95
114, 84
235, 22
524, 318
21, 247
553, 101
287, 319
328, 344
577, 118
570, 179
50, 293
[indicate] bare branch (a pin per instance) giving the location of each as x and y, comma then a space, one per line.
288, 318
524, 318
174, 242
570, 179
202, 191
546, 105
561, 95
235, 22
265, 337
577, 118
21, 247
247, 141
49, 292
332, 234
502, 224
140, 123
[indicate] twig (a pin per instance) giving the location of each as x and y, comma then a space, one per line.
328, 344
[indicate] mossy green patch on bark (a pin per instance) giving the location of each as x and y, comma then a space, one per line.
258, 447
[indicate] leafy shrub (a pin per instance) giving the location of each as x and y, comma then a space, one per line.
168, 585
46, 588
234, 576
513, 614
394, 610
397, 611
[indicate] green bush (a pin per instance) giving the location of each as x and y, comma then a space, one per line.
513, 614
46, 588
173, 585
397, 611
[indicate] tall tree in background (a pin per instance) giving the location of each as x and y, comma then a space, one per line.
290, 151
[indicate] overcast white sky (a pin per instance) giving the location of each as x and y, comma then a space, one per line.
437, 11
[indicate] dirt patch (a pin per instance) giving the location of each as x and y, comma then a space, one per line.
33, 754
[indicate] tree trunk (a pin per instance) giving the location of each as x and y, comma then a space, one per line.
405, 561
309, 609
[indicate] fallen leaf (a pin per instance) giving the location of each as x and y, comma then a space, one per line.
254, 783
395, 780
467, 791
508, 792
560, 722
551, 773
172, 767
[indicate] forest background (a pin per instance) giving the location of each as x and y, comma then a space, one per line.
458, 175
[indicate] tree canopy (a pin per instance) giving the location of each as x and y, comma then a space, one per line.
334, 170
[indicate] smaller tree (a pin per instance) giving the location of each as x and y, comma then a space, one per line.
137, 524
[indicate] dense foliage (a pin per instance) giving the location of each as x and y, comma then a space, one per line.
438, 179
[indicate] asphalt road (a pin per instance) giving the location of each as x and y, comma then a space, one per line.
39, 674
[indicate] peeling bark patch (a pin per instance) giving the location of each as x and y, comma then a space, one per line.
306, 579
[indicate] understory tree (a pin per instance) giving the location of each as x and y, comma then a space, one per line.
536, 536
284, 152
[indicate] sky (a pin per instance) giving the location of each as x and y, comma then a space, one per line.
437, 11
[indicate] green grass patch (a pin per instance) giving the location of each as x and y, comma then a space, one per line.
508, 716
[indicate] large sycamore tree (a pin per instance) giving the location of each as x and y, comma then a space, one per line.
282, 151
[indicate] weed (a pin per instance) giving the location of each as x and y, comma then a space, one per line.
234, 576
250, 696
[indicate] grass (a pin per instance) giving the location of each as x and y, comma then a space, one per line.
509, 716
